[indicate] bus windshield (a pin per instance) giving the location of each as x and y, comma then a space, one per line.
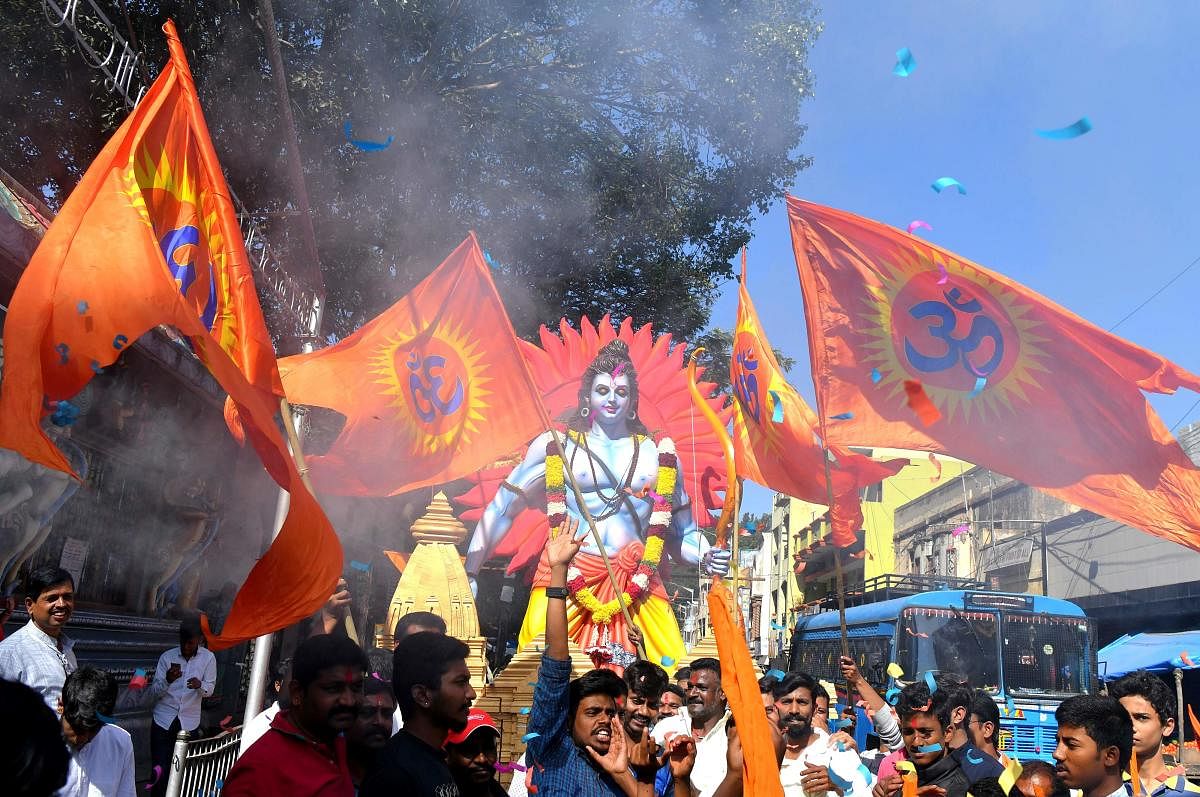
1044, 654
951, 641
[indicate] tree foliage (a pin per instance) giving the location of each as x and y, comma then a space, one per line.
718, 351
609, 153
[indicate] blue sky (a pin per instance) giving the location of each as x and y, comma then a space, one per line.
1097, 223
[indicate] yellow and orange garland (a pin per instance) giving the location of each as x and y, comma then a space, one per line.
656, 538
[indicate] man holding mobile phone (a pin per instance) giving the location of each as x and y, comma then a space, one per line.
185, 676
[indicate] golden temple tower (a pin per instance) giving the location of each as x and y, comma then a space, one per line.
434, 580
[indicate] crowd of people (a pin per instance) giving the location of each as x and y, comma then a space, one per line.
351, 722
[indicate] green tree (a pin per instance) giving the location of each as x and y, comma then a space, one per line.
608, 152
718, 351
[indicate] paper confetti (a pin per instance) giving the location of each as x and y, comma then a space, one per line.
917, 224
225, 722
119, 342
1184, 658
920, 403
930, 681
158, 770
895, 670
777, 413
960, 530
777, 627
527, 738
63, 352
980, 384
81, 307
892, 696
1073, 130
876, 377
905, 63
837, 725
930, 748
1008, 778
525, 710
533, 683
972, 758
842, 416
667, 661
96, 369
511, 767
942, 183
945, 275
357, 565
366, 146
778, 675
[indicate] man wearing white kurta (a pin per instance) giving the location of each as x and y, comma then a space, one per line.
185, 676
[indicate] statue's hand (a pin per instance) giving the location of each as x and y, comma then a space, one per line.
715, 562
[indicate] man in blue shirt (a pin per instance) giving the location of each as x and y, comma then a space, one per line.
576, 745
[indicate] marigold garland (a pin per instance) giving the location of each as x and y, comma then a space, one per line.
646, 572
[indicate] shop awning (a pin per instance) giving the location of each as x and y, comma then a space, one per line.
1153, 652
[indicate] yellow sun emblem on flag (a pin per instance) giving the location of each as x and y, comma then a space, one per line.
436, 383
969, 339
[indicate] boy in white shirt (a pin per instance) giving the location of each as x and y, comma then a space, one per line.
101, 752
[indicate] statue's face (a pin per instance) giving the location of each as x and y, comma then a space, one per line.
610, 397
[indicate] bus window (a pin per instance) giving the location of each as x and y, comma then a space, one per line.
951, 641
1044, 654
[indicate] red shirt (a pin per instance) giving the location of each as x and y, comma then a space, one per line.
287, 763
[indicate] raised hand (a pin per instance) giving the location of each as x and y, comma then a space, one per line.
849, 671
616, 761
715, 562
564, 543
681, 755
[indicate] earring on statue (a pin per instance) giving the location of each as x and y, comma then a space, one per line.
586, 411
633, 415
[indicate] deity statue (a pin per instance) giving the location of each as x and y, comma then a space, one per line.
633, 488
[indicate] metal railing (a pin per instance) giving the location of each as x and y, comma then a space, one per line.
103, 48
198, 768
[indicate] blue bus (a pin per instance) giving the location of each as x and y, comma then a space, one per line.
1029, 652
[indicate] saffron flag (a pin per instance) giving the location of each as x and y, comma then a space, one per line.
739, 681
433, 389
1023, 386
775, 434
149, 237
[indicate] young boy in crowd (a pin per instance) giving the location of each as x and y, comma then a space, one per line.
1095, 742
927, 730
101, 753
1151, 707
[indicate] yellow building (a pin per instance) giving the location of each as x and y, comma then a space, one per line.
874, 555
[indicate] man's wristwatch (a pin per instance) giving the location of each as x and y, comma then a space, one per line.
557, 592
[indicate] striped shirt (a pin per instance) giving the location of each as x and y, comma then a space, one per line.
32, 657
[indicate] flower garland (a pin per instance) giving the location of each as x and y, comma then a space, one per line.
660, 521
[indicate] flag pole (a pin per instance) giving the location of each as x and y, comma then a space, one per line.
839, 576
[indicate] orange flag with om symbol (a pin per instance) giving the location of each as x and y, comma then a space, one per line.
433, 388
1024, 387
775, 434
149, 237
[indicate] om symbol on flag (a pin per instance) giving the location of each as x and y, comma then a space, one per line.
745, 383
958, 350
180, 247
425, 387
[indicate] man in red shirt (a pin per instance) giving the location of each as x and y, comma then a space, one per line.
304, 752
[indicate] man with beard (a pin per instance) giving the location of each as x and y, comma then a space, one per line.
1095, 742
576, 745
433, 688
645, 682
927, 730
709, 713
471, 755
371, 729
805, 766
304, 752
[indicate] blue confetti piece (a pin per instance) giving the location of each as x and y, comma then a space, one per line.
64, 353
777, 413
367, 146
778, 675
876, 377
81, 307
942, 183
844, 785
357, 565
525, 710
527, 738
1011, 705
119, 342
892, 696
107, 720
491, 261
667, 661
930, 681
980, 384
533, 683
842, 416
837, 725
778, 627
972, 758
1073, 130
930, 748
841, 747
905, 63
96, 369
